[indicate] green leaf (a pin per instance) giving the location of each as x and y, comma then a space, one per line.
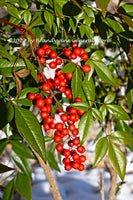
117, 160
25, 102
29, 127
72, 25
13, 11
128, 20
2, 3
98, 136
8, 192
115, 26
86, 30
100, 150
131, 53
23, 4
37, 32
4, 168
130, 98
103, 5
43, 1
90, 63
3, 144
25, 91
97, 114
6, 67
22, 150
48, 139
89, 90
103, 111
80, 105
118, 112
121, 138
52, 162
128, 8
109, 98
97, 55
37, 22
68, 68
27, 16
122, 126
104, 72
23, 186
6, 113
32, 67
4, 53
85, 125
23, 164
76, 84
49, 17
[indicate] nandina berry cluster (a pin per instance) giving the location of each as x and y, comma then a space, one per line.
66, 134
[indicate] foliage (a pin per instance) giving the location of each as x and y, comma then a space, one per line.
58, 23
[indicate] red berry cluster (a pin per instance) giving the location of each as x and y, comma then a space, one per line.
65, 131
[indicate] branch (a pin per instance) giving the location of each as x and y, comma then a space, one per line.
101, 186
51, 179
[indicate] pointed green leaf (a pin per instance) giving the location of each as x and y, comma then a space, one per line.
22, 150
121, 138
37, 22
122, 126
104, 72
29, 127
131, 53
118, 112
97, 114
13, 11
103, 111
117, 160
2, 3
3, 144
4, 53
130, 98
27, 16
49, 17
23, 4
97, 55
52, 162
86, 30
128, 20
23, 186
8, 192
6, 113
76, 84
114, 25
103, 5
109, 98
90, 63
4, 168
100, 150
80, 105
68, 68
85, 125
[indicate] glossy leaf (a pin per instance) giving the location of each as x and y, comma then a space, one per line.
49, 17
23, 73
118, 112
80, 105
130, 98
117, 160
68, 68
27, 17
97, 55
121, 138
103, 111
13, 11
122, 126
76, 84
22, 150
85, 126
4, 168
6, 113
23, 164
104, 73
48, 139
131, 53
96, 114
3, 144
100, 150
103, 5
128, 8
128, 20
37, 22
4, 53
115, 26
23, 4
109, 98
90, 63
29, 127
18, 86
25, 91
23, 186
8, 192
52, 162
86, 30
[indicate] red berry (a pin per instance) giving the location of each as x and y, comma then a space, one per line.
69, 96
74, 117
48, 100
44, 109
32, 96
44, 115
61, 77
73, 111
52, 65
73, 56
71, 127
81, 149
59, 147
50, 82
77, 51
84, 56
68, 52
58, 61
64, 117
42, 60
57, 81
86, 68
74, 45
75, 132
62, 83
68, 167
66, 152
49, 109
64, 49
67, 92
48, 51
52, 125
75, 165
46, 126
66, 160
70, 143
81, 167
57, 72
45, 87
82, 159
82, 51
81, 112
49, 119
65, 132
78, 100
41, 52
53, 55
62, 89
45, 46
69, 76
59, 126
40, 103
76, 141
57, 138
75, 156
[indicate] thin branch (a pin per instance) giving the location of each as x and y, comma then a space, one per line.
101, 186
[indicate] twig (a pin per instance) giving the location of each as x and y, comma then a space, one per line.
51, 179
101, 186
